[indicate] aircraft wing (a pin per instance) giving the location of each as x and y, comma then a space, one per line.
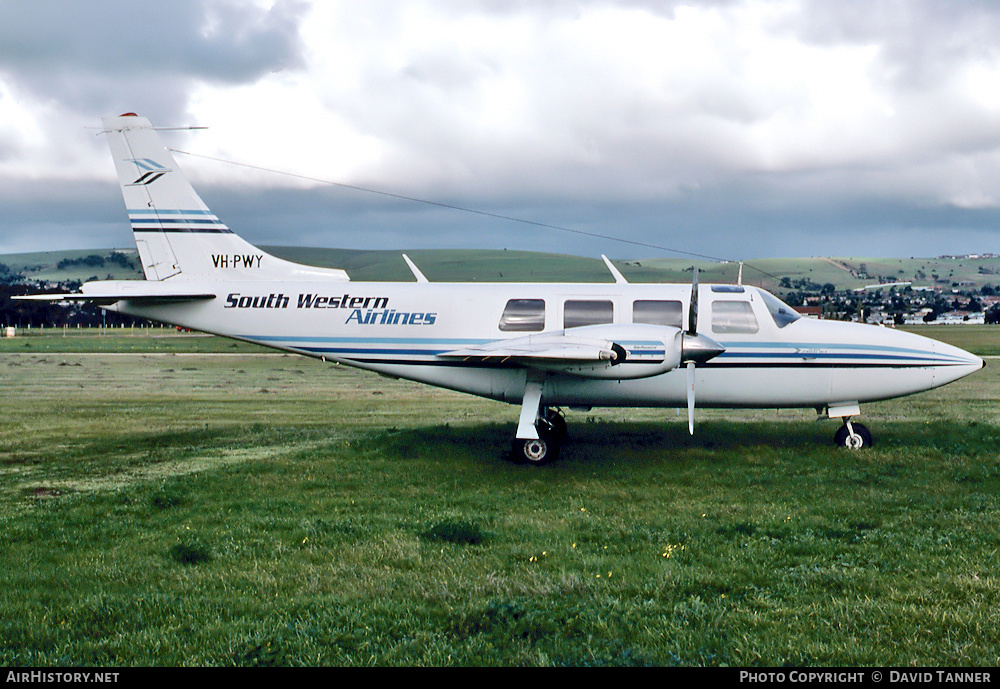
108, 292
610, 351
549, 348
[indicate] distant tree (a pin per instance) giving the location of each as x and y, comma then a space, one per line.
8, 276
91, 261
122, 260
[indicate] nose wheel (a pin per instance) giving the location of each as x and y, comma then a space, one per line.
853, 436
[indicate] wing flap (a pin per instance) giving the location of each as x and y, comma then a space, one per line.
555, 347
569, 352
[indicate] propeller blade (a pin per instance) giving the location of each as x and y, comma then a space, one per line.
690, 394
693, 308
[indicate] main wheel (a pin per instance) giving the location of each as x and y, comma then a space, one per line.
541, 451
861, 438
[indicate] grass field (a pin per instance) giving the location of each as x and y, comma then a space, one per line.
211, 505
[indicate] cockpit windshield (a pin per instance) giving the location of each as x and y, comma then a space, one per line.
782, 313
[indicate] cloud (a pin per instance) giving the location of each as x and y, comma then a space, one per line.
618, 100
48, 43
797, 121
76, 62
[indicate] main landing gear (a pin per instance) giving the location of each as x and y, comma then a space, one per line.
853, 436
551, 428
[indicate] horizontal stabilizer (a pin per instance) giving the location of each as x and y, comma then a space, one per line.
108, 292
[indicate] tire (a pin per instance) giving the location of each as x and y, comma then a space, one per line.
538, 452
862, 439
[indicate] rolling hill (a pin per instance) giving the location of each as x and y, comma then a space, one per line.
776, 274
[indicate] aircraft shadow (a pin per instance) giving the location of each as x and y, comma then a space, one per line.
605, 441
602, 441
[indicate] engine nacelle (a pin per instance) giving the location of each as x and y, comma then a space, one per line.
636, 351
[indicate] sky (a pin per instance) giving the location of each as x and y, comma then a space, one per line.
723, 128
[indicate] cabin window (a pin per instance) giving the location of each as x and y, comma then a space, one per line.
653, 312
585, 312
733, 317
782, 313
523, 315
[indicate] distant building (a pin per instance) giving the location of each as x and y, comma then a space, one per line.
810, 311
951, 318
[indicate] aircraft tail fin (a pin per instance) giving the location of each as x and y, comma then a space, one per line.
178, 237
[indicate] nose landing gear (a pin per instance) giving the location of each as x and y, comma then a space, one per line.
853, 436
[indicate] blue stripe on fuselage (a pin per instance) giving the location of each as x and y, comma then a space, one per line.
791, 354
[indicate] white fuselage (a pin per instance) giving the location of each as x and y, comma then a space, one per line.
403, 329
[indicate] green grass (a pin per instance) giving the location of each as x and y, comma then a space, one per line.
152, 340
269, 510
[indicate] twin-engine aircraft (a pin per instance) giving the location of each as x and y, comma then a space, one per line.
540, 346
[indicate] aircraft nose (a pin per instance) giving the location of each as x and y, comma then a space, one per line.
960, 362
959, 355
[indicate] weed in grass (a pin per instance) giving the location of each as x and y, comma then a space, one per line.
268, 653
167, 498
736, 530
527, 620
616, 655
190, 553
457, 531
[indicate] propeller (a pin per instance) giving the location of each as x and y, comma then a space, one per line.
695, 348
693, 310
690, 393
